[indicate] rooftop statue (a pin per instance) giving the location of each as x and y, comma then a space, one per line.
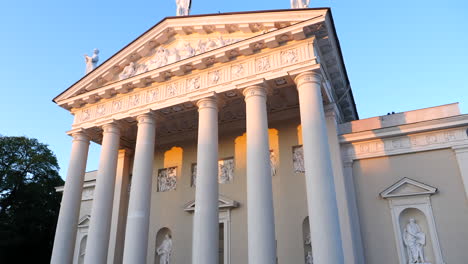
92, 61
300, 3
183, 7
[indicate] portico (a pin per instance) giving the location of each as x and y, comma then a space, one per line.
263, 69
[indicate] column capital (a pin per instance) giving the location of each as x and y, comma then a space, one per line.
112, 127
207, 102
254, 90
80, 136
308, 76
146, 118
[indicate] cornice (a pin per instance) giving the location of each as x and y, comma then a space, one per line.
261, 66
168, 28
442, 134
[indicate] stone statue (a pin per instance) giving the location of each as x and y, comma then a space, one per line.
187, 51
128, 71
183, 7
92, 61
414, 240
300, 3
165, 250
309, 259
298, 159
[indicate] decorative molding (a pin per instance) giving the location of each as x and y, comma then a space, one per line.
410, 143
218, 79
84, 221
87, 194
298, 159
223, 203
421, 189
167, 179
422, 209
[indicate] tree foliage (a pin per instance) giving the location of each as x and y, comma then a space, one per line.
29, 204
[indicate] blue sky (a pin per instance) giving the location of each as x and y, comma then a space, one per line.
400, 55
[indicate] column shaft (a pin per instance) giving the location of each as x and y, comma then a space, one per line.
321, 196
206, 219
101, 212
260, 214
65, 234
136, 233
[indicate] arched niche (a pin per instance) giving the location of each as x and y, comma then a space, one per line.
412, 199
159, 240
82, 250
421, 220
307, 240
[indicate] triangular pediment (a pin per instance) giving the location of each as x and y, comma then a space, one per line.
84, 221
179, 38
223, 203
407, 187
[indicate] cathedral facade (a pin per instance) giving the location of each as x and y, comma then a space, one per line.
234, 138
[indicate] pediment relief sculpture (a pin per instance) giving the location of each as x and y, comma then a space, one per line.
167, 54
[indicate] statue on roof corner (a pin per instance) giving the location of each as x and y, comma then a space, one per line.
300, 4
92, 61
183, 7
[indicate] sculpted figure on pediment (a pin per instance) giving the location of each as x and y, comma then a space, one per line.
92, 61
160, 59
173, 55
187, 51
128, 71
183, 7
300, 3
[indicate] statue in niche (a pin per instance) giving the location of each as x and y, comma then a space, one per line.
300, 3
414, 240
273, 162
92, 61
308, 242
128, 71
165, 250
298, 159
309, 259
183, 7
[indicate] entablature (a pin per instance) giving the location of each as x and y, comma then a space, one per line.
255, 51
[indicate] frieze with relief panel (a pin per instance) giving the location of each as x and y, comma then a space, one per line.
259, 66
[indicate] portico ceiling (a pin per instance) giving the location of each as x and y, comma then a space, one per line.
239, 39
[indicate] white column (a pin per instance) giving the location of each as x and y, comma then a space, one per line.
321, 197
136, 233
119, 210
206, 220
461, 152
260, 215
65, 233
101, 212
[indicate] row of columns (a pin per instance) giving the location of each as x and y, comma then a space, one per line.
321, 198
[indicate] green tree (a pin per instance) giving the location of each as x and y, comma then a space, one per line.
29, 204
